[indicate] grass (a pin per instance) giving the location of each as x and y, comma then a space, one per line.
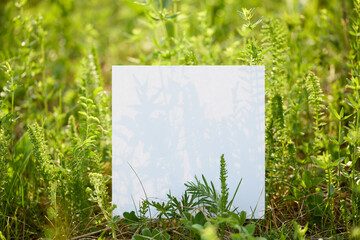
55, 96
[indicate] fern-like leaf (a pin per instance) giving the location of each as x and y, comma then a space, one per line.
224, 187
41, 151
315, 97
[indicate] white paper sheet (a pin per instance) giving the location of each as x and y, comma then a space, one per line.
171, 123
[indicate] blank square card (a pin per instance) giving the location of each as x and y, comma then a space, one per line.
171, 123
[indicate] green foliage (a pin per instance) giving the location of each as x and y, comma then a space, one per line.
353, 134
355, 234
224, 187
206, 232
206, 193
99, 195
2, 236
236, 221
41, 152
216, 203
156, 235
299, 233
55, 114
131, 220
315, 97
5, 136
253, 54
247, 15
275, 40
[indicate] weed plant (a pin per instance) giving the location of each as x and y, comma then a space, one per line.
55, 122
